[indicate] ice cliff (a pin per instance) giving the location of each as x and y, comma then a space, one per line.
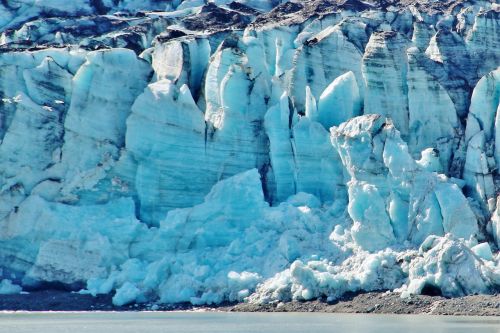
259, 150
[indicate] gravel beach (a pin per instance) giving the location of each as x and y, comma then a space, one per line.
373, 302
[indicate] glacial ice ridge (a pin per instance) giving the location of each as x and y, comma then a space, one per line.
258, 151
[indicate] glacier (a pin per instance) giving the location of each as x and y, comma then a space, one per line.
257, 151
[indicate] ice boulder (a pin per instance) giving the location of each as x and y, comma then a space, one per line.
9, 288
447, 266
430, 160
126, 294
372, 227
200, 254
483, 251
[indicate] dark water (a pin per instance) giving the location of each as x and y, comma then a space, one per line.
189, 322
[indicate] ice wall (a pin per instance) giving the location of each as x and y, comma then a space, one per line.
271, 152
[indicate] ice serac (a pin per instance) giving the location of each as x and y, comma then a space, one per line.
340, 101
92, 110
319, 61
361, 149
301, 155
481, 136
182, 61
385, 71
278, 122
448, 50
317, 166
422, 34
46, 139
236, 94
372, 228
495, 223
35, 88
166, 137
95, 123
391, 197
433, 119
483, 45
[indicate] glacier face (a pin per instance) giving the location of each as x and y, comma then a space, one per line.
261, 151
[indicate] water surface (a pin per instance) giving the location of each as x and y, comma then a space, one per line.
208, 322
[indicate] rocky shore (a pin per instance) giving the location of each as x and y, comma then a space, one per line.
390, 303
373, 302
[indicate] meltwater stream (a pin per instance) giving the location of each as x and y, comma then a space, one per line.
135, 322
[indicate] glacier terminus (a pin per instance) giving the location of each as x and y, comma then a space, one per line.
257, 151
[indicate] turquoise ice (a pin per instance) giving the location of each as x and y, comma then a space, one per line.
293, 158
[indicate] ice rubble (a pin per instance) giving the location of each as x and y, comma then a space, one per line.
8, 288
220, 250
452, 267
290, 160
